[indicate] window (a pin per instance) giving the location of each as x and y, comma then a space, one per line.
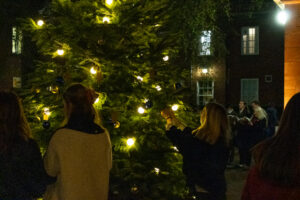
250, 42
249, 90
16, 40
205, 91
205, 43
17, 82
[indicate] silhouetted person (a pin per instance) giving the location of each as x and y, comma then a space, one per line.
22, 174
276, 174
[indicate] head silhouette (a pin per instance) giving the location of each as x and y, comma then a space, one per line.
13, 124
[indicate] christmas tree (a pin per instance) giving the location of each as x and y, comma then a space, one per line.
137, 56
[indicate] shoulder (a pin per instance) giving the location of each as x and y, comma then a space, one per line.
31, 148
58, 135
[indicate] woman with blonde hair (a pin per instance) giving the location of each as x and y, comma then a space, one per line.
204, 150
79, 154
22, 174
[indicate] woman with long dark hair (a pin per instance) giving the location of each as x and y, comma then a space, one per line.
22, 174
276, 174
204, 150
79, 154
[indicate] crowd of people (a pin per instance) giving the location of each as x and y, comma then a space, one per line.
248, 128
80, 151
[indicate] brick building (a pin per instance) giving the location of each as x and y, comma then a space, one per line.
256, 54
253, 68
15, 50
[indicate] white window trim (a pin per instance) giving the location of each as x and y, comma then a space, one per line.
257, 92
256, 50
199, 95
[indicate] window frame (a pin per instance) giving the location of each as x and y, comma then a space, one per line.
205, 47
257, 91
247, 42
198, 95
16, 40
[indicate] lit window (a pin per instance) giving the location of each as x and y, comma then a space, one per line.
205, 43
250, 42
249, 90
16, 40
205, 91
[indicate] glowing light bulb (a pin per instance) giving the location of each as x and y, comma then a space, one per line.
106, 20
141, 110
204, 71
46, 113
60, 52
109, 2
175, 107
140, 78
158, 88
175, 148
93, 70
40, 22
97, 100
157, 170
282, 17
166, 58
130, 142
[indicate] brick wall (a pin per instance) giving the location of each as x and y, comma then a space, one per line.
10, 65
268, 62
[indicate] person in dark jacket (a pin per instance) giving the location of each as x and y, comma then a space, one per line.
258, 126
272, 119
276, 173
204, 150
243, 110
232, 116
242, 139
22, 174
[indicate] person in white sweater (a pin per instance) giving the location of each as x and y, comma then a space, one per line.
79, 154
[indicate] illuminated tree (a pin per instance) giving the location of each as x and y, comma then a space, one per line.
137, 55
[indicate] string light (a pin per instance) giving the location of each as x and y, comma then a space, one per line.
60, 52
130, 142
158, 88
46, 113
175, 148
156, 170
106, 20
40, 22
97, 100
141, 110
166, 58
175, 107
109, 2
93, 70
140, 78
